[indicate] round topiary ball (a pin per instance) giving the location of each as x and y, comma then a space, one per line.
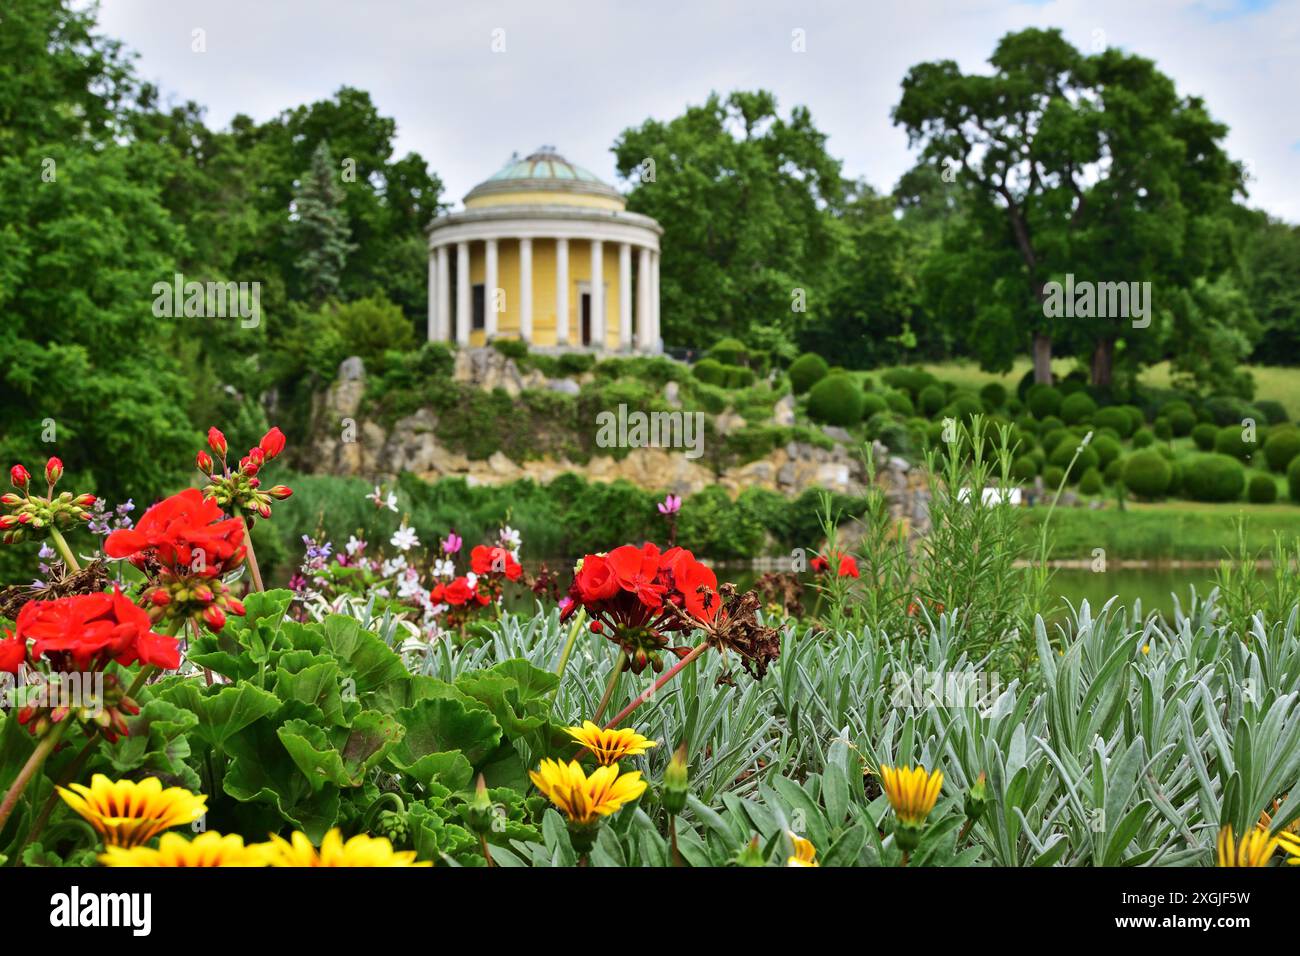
1065, 453
1293, 479
1108, 449
1181, 421
709, 371
1262, 490
1078, 408
1164, 431
931, 399
1091, 483
1282, 447
1024, 468
1043, 400
1143, 438
1204, 434
1114, 471
1053, 476
1230, 440
899, 402
872, 404
1114, 417
836, 400
1147, 474
993, 395
1213, 477
806, 371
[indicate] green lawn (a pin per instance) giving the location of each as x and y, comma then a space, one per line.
1271, 382
1171, 530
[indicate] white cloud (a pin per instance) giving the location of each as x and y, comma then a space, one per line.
576, 72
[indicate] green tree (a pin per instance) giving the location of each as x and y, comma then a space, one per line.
747, 201
1092, 165
320, 228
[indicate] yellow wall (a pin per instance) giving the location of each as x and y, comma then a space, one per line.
544, 276
542, 197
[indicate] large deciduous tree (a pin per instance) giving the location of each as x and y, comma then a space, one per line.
1090, 165
746, 198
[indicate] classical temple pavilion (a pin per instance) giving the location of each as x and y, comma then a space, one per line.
545, 252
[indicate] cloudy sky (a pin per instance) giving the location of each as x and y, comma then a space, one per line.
574, 73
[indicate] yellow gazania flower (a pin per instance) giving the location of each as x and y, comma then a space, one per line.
805, 854
129, 813
206, 849
1255, 848
912, 792
585, 799
360, 850
609, 746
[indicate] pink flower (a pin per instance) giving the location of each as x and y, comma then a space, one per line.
453, 543
670, 505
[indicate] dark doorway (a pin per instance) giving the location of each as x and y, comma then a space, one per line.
479, 312
586, 318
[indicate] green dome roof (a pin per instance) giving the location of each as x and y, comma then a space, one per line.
544, 169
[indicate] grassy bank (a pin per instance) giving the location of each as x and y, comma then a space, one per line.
1166, 531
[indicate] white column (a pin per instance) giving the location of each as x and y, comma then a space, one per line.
598, 294
462, 293
432, 321
624, 296
561, 291
444, 295
644, 321
526, 289
490, 291
656, 340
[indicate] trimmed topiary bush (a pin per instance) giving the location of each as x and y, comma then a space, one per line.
900, 403
1048, 424
1144, 438
993, 395
1147, 474
1136, 419
1175, 479
1108, 449
1053, 476
1114, 417
1024, 468
1273, 411
1182, 421
710, 371
1078, 408
836, 400
873, 404
1293, 479
1228, 441
931, 399
1213, 477
1204, 434
1114, 471
1052, 439
1282, 447
729, 351
806, 371
1065, 453
963, 408
1164, 431
1262, 490
1043, 400
1091, 483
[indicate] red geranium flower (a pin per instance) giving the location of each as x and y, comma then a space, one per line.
13, 652
272, 443
86, 631
458, 593
178, 528
495, 560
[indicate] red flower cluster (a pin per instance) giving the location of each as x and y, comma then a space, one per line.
458, 594
639, 594
83, 633
242, 488
848, 567
485, 560
180, 529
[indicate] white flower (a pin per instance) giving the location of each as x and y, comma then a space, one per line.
408, 585
471, 579
510, 540
404, 538
382, 501
444, 568
354, 545
393, 566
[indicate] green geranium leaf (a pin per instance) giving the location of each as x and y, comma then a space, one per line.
157, 742
222, 710
370, 662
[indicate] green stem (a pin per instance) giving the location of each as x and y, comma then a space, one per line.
252, 557
69, 559
654, 688
609, 688
29, 769
672, 836
568, 648
487, 855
